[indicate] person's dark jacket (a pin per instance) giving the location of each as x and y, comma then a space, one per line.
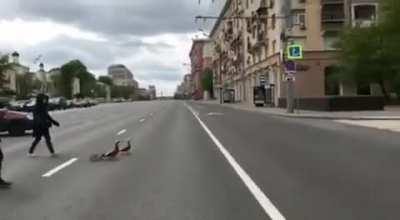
42, 121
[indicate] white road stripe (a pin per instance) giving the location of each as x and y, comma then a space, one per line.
259, 195
142, 120
62, 166
121, 132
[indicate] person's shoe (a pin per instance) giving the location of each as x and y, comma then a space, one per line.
5, 184
31, 155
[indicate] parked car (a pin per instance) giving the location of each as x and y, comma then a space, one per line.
80, 103
57, 103
14, 122
70, 103
259, 96
17, 105
93, 102
29, 106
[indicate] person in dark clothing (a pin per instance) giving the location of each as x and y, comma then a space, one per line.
3, 183
42, 121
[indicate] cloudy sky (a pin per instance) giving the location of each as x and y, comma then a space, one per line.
151, 37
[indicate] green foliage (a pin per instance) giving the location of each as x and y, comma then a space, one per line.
88, 84
106, 80
72, 69
207, 80
371, 55
56, 84
4, 65
122, 92
7, 92
25, 85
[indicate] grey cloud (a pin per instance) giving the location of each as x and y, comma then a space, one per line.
99, 55
133, 17
161, 74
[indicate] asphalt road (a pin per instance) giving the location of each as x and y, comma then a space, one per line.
208, 163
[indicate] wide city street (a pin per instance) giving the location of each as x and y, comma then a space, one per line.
198, 161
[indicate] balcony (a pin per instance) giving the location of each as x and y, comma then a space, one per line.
332, 12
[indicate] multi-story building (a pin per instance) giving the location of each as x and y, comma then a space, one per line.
122, 76
15, 70
152, 91
250, 38
187, 85
200, 58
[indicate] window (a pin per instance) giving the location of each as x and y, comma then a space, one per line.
364, 12
363, 15
273, 21
273, 46
331, 38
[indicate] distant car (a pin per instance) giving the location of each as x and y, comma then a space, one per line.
93, 102
14, 122
77, 103
70, 103
57, 103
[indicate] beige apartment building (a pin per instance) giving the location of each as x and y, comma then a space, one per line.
250, 37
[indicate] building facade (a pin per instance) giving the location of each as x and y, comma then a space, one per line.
12, 73
200, 58
122, 76
152, 92
251, 36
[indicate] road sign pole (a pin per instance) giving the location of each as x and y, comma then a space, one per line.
290, 96
294, 52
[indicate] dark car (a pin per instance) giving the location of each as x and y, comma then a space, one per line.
18, 105
14, 122
259, 96
29, 106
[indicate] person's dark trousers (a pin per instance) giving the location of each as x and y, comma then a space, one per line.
1, 161
38, 137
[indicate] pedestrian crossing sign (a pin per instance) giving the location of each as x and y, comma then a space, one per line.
295, 52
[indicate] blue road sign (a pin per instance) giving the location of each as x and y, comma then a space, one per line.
295, 52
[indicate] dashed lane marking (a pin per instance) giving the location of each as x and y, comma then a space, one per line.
121, 132
59, 168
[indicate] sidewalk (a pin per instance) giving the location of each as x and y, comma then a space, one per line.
390, 113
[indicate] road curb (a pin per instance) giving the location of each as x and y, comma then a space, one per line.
308, 116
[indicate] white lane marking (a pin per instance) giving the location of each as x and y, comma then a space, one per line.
142, 120
57, 169
121, 132
215, 114
258, 194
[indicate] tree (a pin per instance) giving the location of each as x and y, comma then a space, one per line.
4, 65
371, 55
88, 84
25, 85
72, 69
56, 84
207, 81
122, 92
106, 80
